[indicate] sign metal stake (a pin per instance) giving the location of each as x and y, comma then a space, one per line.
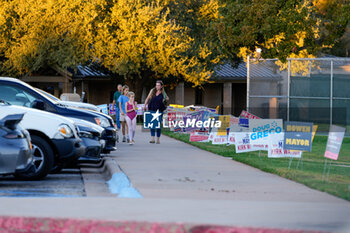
329, 169
324, 169
300, 160
290, 162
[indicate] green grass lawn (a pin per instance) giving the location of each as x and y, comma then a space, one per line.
309, 171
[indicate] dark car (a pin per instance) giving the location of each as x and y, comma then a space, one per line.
20, 93
15, 146
91, 139
90, 134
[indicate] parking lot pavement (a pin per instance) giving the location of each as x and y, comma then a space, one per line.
68, 183
72, 182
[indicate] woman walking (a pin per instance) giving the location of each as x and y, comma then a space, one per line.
155, 101
130, 108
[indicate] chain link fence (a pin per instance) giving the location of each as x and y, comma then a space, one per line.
302, 89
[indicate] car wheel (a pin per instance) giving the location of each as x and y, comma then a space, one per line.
43, 158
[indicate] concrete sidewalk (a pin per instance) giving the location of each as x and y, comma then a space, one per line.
174, 169
181, 183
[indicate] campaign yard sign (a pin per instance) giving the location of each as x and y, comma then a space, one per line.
228, 139
170, 115
238, 128
177, 130
242, 143
261, 129
276, 150
225, 123
298, 136
140, 108
199, 136
212, 135
111, 112
176, 106
234, 120
194, 118
180, 113
212, 110
335, 140
174, 115
242, 122
104, 108
219, 139
247, 115
231, 138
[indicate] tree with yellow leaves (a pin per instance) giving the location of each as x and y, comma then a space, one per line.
35, 34
179, 39
285, 28
138, 39
148, 39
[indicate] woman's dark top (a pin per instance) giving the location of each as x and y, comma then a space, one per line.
156, 103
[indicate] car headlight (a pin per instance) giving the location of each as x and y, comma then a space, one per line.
85, 134
65, 131
103, 122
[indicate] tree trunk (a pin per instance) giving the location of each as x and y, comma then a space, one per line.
136, 85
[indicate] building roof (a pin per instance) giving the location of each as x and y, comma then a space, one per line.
228, 72
92, 71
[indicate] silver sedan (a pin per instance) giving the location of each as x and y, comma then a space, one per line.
15, 146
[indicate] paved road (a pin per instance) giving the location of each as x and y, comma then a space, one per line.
181, 183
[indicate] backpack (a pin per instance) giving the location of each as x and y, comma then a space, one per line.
165, 102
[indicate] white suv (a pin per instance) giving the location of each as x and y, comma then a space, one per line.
54, 139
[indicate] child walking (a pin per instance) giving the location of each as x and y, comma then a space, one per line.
130, 108
123, 98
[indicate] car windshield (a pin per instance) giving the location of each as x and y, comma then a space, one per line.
53, 101
45, 95
52, 97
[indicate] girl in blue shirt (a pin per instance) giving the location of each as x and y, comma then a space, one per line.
122, 100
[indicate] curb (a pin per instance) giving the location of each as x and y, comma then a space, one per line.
110, 167
94, 179
118, 182
44, 225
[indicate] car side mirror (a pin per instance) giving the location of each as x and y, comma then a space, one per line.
38, 104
